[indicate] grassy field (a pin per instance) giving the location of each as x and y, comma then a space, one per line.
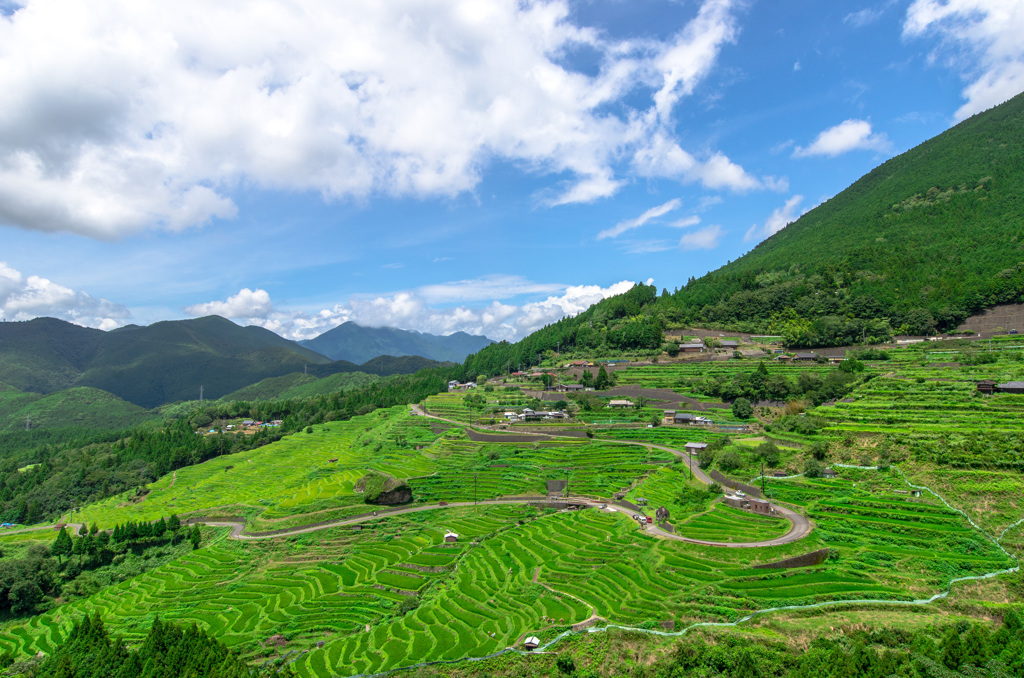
517, 571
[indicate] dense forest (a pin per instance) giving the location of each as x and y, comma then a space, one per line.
44, 474
168, 651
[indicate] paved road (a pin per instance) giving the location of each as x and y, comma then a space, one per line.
801, 526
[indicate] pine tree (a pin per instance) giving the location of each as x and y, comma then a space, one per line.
196, 536
61, 545
174, 523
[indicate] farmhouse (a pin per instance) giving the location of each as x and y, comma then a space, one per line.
811, 355
683, 418
450, 536
986, 386
829, 473
784, 358
695, 448
1011, 387
730, 343
695, 347
620, 403
759, 506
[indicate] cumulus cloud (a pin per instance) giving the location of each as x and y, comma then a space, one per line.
119, 116
982, 39
414, 309
246, 304
779, 219
661, 156
26, 297
849, 135
629, 224
704, 239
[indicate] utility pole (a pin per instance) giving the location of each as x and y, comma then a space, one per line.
200, 395
305, 370
28, 421
475, 502
763, 491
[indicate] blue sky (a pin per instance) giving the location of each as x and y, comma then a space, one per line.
486, 165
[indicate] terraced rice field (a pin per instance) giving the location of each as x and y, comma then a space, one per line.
293, 475
517, 571
669, 375
726, 524
466, 470
888, 404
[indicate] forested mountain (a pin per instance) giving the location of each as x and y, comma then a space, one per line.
916, 246
923, 241
358, 344
148, 366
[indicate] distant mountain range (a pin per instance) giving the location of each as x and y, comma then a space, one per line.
358, 344
164, 362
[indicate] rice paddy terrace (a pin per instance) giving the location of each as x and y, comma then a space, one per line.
520, 570
391, 593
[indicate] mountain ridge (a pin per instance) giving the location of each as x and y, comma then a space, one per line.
358, 343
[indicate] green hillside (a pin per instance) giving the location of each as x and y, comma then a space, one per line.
73, 408
926, 239
299, 385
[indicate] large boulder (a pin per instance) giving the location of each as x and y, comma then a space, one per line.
381, 489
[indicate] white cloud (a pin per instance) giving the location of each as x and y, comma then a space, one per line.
990, 30
661, 156
629, 224
704, 239
849, 135
779, 219
24, 298
118, 116
246, 304
686, 222
414, 310
867, 16
796, 66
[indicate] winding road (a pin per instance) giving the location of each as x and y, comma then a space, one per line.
800, 525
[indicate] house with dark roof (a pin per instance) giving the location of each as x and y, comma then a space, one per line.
986, 386
683, 418
729, 343
1011, 387
695, 347
811, 355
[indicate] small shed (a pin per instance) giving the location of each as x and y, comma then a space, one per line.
729, 343
759, 506
620, 403
531, 643
734, 501
1011, 387
695, 448
695, 347
450, 536
986, 386
829, 473
779, 474
784, 358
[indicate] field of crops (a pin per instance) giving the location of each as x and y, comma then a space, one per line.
726, 524
293, 475
668, 375
466, 470
517, 571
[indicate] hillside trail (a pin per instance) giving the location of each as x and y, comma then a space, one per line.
801, 526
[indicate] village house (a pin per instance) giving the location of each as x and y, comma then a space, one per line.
729, 343
829, 473
668, 416
683, 418
620, 403
1011, 387
986, 386
695, 347
784, 358
808, 356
